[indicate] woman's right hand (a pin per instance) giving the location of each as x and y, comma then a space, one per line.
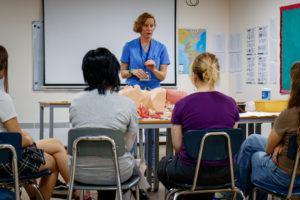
139, 73
276, 153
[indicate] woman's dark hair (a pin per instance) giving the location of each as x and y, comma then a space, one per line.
294, 100
101, 70
3, 65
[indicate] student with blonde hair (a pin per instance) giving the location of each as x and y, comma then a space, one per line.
204, 109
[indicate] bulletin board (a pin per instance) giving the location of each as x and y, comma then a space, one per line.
289, 43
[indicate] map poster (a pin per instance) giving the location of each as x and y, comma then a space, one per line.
191, 43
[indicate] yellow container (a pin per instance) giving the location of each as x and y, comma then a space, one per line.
270, 105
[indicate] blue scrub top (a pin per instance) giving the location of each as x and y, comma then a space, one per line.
134, 55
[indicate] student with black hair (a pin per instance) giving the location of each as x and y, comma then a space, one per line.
100, 105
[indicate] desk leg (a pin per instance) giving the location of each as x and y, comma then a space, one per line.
169, 147
149, 157
51, 122
41, 122
156, 158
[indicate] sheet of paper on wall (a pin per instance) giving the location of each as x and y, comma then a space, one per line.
251, 48
273, 73
219, 43
273, 50
235, 42
222, 61
238, 83
262, 70
235, 60
250, 76
262, 44
273, 29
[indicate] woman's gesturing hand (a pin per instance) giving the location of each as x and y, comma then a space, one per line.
150, 64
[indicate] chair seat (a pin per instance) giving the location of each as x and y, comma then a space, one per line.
125, 186
202, 187
26, 177
277, 190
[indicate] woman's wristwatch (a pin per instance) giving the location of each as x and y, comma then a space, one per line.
130, 72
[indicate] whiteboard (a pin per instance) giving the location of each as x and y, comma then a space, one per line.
73, 27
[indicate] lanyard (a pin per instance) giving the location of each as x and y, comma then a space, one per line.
141, 54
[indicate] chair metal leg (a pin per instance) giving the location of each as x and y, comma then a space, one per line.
137, 189
234, 195
176, 196
37, 189
240, 192
170, 193
81, 194
254, 193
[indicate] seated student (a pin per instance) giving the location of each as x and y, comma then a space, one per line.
52, 154
204, 109
100, 105
264, 160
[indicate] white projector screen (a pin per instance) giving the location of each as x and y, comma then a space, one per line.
73, 27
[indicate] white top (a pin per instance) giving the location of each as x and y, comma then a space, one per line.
113, 111
7, 109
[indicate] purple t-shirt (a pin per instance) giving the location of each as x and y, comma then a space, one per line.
204, 110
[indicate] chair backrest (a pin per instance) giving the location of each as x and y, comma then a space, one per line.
216, 147
293, 153
96, 142
14, 139
93, 148
11, 152
292, 147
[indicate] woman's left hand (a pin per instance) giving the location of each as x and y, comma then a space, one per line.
150, 64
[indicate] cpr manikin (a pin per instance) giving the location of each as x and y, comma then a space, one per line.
154, 99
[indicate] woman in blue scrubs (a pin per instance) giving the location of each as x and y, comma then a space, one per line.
144, 60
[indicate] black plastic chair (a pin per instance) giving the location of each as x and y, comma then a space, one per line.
290, 191
14, 139
212, 145
98, 142
8, 154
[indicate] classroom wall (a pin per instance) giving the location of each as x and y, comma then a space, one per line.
216, 16
212, 15
246, 14
16, 35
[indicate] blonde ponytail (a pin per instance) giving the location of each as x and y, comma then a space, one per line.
206, 67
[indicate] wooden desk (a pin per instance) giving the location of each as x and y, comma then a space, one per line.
257, 118
150, 124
